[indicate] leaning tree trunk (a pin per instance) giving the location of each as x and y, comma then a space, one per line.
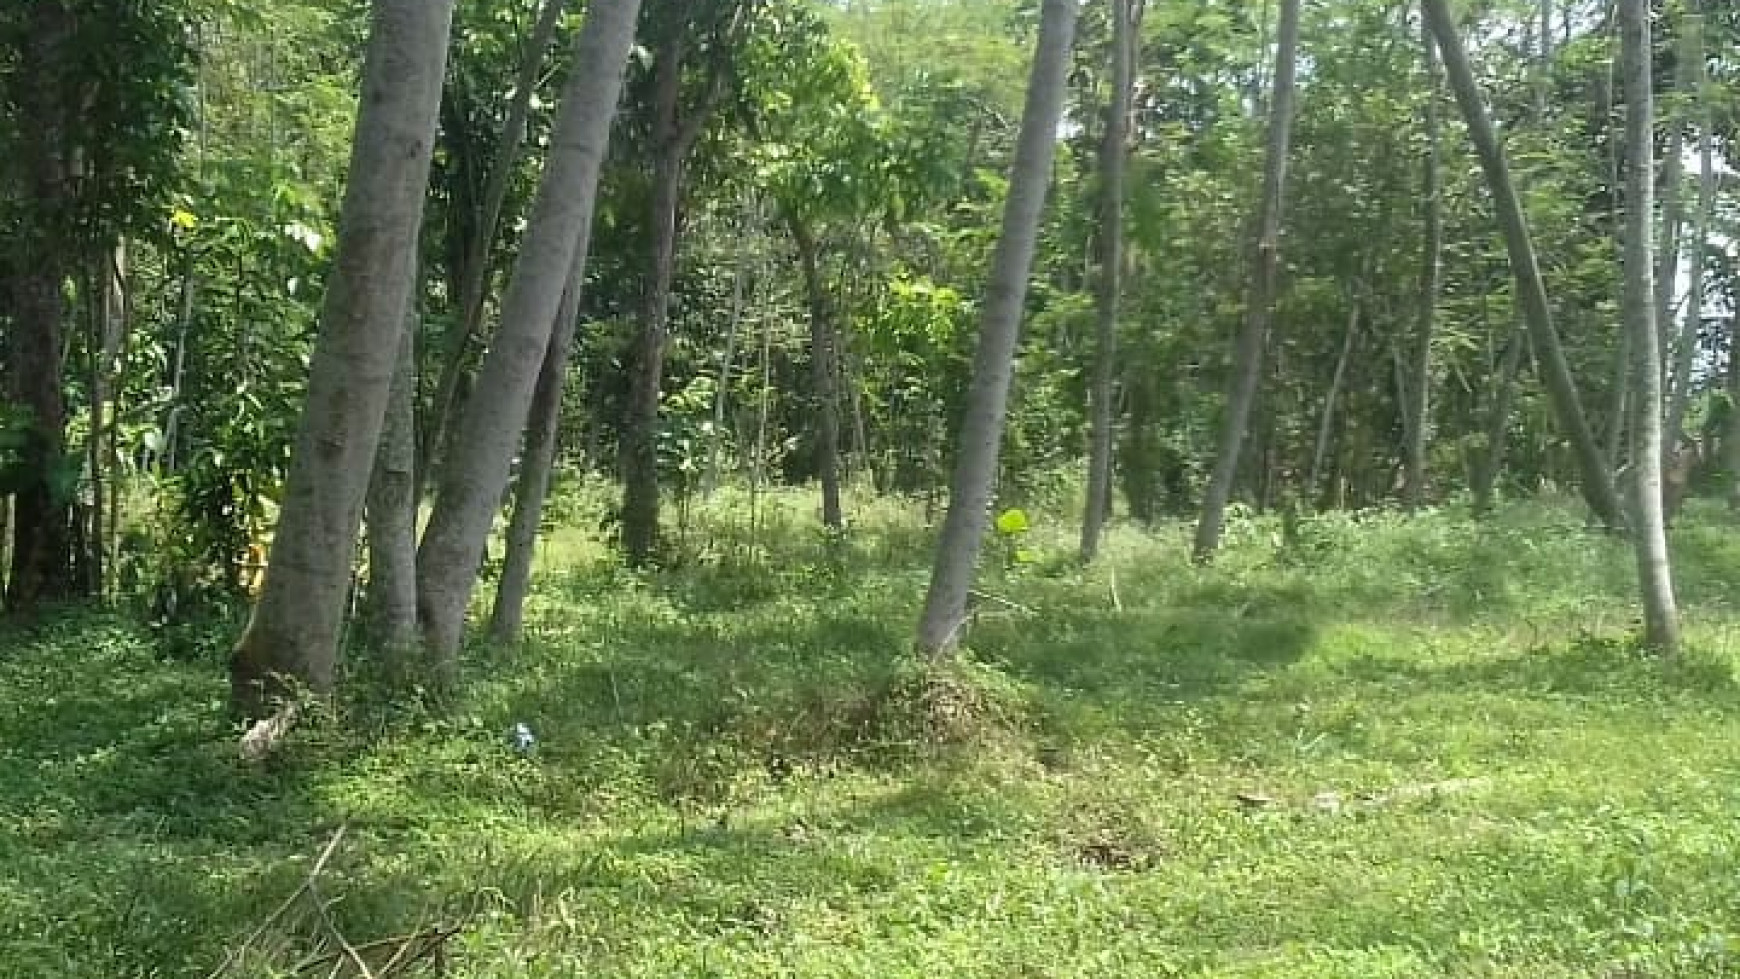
1598, 488
957, 552
1103, 393
1673, 219
292, 638
1661, 619
1418, 413
42, 544
824, 390
537, 460
553, 254
390, 608
475, 263
1266, 257
1685, 351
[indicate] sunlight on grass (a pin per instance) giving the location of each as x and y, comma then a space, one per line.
1360, 747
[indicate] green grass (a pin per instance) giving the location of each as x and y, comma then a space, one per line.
740, 773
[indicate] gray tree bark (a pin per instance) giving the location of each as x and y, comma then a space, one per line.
1598, 488
1418, 413
1103, 390
556, 242
537, 463
1266, 259
476, 264
390, 605
1661, 618
963, 531
292, 637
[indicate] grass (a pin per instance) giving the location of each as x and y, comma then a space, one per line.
1469, 769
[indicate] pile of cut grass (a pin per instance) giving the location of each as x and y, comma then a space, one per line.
1357, 748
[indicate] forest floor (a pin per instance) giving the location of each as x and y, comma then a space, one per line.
1374, 747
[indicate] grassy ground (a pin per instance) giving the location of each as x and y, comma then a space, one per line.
1465, 770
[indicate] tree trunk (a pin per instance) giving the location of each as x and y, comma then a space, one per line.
827, 398
1254, 336
42, 560
1685, 352
553, 253
1418, 413
292, 638
391, 512
673, 137
475, 263
1598, 488
1103, 391
537, 463
963, 530
1661, 619
1326, 422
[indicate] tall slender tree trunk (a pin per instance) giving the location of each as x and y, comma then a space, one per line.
1686, 350
1598, 488
1265, 274
553, 254
42, 558
391, 513
823, 388
292, 638
1661, 618
1418, 413
963, 531
537, 464
674, 136
475, 281
1326, 421
1103, 391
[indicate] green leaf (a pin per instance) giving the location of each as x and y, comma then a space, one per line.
1012, 522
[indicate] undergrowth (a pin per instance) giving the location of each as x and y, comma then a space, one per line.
1357, 746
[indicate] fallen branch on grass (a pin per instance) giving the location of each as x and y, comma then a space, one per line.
334, 954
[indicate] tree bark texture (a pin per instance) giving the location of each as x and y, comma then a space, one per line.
553, 253
1661, 618
1598, 488
1265, 274
1102, 393
537, 463
292, 638
391, 512
963, 531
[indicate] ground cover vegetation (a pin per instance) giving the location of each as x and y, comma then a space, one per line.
868, 487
